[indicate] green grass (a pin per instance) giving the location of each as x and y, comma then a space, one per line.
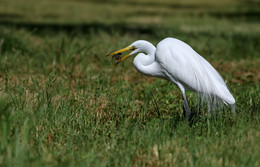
62, 103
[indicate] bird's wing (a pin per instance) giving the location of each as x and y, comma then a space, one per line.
180, 63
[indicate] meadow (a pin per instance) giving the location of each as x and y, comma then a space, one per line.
63, 103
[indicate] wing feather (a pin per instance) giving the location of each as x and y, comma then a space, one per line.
180, 63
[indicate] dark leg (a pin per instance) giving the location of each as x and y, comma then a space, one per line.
186, 107
233, 109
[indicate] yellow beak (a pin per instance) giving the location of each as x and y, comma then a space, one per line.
121, 51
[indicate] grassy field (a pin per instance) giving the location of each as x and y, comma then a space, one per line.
62, 103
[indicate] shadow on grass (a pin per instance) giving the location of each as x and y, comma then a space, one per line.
6, 16
235, 41
248, 15
157, 4
80, 27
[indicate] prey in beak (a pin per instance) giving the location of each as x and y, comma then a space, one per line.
117, 54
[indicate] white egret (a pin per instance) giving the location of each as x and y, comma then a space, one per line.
177, 62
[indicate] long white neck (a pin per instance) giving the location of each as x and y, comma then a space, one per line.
145, 63
147, 48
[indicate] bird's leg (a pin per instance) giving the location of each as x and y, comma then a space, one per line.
208, 104
233, 109
186, 107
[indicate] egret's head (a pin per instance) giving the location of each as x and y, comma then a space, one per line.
134, 48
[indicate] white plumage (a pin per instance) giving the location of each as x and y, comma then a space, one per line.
177, 62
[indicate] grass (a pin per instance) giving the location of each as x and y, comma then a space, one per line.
62, 103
